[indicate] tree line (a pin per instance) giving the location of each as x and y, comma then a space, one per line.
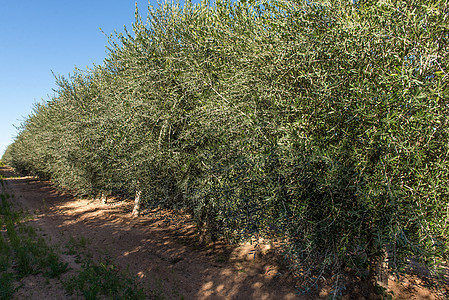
322, 124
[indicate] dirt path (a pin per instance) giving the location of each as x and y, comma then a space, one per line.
161, 249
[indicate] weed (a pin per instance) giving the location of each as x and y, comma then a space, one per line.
28, 230
24, 261
74, 244
23, 246
71, 247
55, 266
4, 253
35, 256
77, 247
104, 278
7, 289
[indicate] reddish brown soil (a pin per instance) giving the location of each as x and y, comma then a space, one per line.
162, 249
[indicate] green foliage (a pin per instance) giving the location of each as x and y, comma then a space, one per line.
29, 251
4, 251
105, 279
322, 123
22, 247
7, 289
55, 267
102, 278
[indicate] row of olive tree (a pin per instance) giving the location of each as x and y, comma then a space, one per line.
324, 123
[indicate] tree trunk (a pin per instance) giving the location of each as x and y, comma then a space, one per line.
103, 199
379, 272
136, 209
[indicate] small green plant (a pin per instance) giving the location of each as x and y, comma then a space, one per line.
71, 247
77, 243
104, 278
7, 288
55, 267
77, 247
35, 256
4, 252
24, 247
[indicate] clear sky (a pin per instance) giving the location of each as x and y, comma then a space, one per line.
41, 37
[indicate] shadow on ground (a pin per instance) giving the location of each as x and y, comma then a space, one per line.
161, 248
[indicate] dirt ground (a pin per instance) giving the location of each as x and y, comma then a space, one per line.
163, 250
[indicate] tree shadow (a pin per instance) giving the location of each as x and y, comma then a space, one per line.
162, 249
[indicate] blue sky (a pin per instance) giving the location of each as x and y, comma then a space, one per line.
41, 37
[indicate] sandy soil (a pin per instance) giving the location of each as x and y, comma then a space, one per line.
162, 249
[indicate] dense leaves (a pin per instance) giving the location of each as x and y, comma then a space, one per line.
323, 123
